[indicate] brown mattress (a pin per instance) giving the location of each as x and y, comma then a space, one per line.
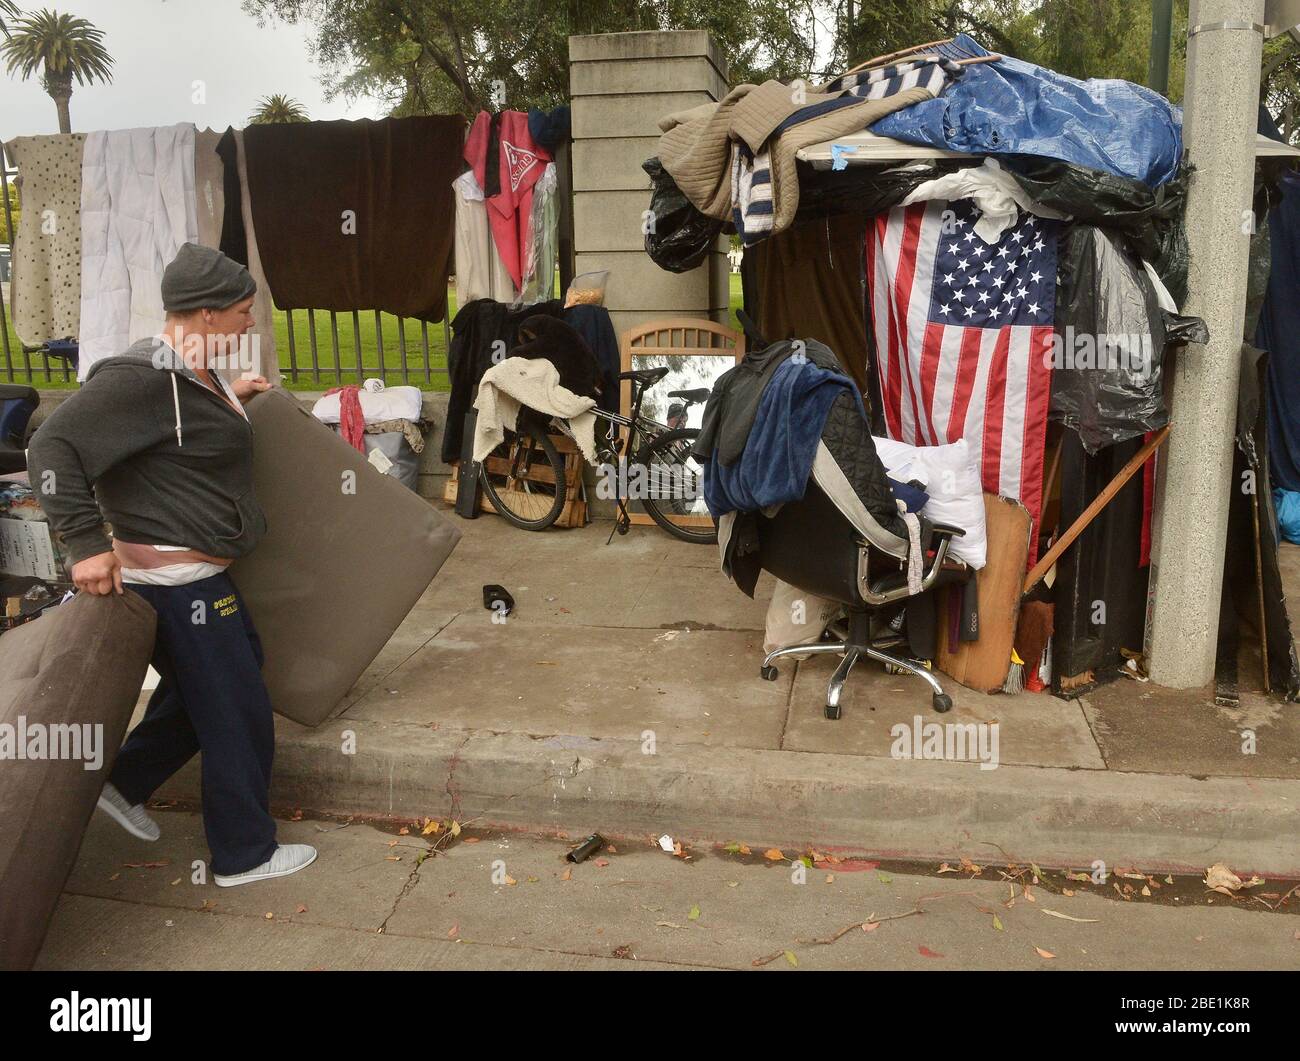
81, 663
347, 553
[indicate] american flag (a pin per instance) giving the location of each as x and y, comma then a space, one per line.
963, 337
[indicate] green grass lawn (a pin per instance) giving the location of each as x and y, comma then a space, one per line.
437, 378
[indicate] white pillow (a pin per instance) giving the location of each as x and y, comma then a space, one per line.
392, 403
951, 476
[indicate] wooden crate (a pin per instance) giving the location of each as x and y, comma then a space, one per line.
574, 513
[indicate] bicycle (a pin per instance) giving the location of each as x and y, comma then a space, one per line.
524, 478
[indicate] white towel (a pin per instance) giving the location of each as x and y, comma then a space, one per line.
992, 189
534, 382
137, 207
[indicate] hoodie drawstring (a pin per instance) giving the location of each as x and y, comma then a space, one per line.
176, 402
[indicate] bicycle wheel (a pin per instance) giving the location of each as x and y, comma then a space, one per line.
672, 489
524, 478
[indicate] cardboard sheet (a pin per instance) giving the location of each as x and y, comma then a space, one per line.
983, 664
347, 553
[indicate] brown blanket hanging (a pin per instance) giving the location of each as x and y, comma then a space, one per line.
807, 284
356, 214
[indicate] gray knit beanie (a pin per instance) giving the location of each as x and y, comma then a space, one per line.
203, 278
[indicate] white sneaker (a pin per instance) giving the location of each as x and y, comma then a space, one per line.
133, 819
288, 858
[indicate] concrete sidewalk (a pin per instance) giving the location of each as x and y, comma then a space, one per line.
624, 696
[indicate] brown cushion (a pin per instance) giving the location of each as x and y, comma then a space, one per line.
337, 572
81, 663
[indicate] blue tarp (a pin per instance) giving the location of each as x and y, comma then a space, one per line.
1011, 107
1278, 332
1287, 503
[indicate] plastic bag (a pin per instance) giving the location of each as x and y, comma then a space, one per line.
587, 289
1109, 341
865, 189
1011, 107
1150, 220
678, 236
544, 222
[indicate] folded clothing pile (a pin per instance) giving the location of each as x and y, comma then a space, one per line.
377, 403
735, 160
380, 421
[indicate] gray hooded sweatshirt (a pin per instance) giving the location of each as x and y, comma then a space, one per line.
145, 445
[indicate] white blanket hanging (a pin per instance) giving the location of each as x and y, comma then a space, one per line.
137, 208
517, 382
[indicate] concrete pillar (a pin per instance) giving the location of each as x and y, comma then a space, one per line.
1220, 102
621, 84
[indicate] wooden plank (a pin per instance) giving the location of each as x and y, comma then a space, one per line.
983, 664
1090, 513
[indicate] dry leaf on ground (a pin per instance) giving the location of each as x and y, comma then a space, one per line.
1219, 878
1067, 917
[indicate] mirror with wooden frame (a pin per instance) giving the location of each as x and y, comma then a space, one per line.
696, 352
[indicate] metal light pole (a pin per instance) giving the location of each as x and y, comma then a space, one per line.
1162, 20
1221, 100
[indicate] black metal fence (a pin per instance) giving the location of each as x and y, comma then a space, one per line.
412, 359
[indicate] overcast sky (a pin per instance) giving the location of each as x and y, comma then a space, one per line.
160, 47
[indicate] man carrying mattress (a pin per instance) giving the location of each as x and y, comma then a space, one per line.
157, 444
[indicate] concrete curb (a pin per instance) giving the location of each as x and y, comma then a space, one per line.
891, 809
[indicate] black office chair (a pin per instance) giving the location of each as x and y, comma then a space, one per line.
812, 545
17, 403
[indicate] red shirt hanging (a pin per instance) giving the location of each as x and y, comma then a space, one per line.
521, 163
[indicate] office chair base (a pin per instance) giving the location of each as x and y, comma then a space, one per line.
851, 652
836, 687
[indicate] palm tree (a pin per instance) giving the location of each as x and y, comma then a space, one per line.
8, 10
66, 47
276, 110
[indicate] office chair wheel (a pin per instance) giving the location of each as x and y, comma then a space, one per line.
942, 702
768, 673
833, 711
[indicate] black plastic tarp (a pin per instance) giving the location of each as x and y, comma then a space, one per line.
1151, 220
678, 236
1111, 338
1252, 577
1100, 591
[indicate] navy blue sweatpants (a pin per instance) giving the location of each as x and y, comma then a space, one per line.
212, 699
